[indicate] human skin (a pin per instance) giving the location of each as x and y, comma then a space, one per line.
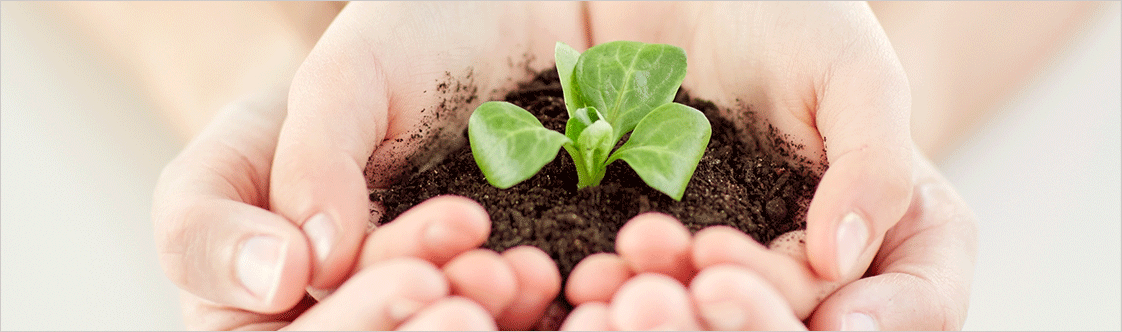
185, 175
928, 256
407, 276
235, 172
814, 71
964, 59
321, 151
203, 213
349, 100
191, 58
367, 84
919, 280
243, 266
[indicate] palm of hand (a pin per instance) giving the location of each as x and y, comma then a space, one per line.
384, 81
367, 84
812, 71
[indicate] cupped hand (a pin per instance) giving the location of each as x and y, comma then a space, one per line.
818, 73
215, 236
813, 71
387, 87
919, 280
239, 264
921, 276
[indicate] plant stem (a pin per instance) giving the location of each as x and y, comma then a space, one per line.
587, 174
589, 178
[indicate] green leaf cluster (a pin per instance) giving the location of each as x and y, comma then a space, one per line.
610, 90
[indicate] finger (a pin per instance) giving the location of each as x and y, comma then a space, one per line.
451, 314
338, 114
539, 282
658, 243
317, 180
652, 302
732, 298
484, 277
201, 314
596, 278
362, 98
591, 316
860, 306
862, 113
790, 275
213, 239
236, 254
377, 298
922, 278
436, 230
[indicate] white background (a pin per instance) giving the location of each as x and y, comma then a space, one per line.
81, 151
1045, 180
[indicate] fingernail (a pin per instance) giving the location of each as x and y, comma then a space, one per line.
856, 321
400, 309
259, 265
723, 315
321, 231
853, 235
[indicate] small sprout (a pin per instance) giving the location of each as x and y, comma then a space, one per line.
612, 89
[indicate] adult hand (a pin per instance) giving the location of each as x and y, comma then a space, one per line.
814, 71
387, 86
237, 261
919, 280
803, 73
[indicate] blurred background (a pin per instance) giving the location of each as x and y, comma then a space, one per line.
83, 143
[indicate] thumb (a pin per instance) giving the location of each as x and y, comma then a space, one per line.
923, 273
385, 83
360, 107
863, 117
337, 114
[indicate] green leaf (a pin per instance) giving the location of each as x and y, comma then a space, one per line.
509, 144
594, 145
579, 120
566, 58
591, 142
625, 80
665, 147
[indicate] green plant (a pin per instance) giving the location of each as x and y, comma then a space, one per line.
610, 90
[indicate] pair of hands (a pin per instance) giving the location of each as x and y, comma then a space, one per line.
266, 206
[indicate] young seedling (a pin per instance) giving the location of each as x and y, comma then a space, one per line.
610, 90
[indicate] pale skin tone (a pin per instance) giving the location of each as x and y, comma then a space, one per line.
814, 71
508, 291
416, 279
919, 279
330, 131
217, 195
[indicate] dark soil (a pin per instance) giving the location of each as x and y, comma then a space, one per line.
736, 184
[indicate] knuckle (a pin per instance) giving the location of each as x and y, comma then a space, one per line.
177, 239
